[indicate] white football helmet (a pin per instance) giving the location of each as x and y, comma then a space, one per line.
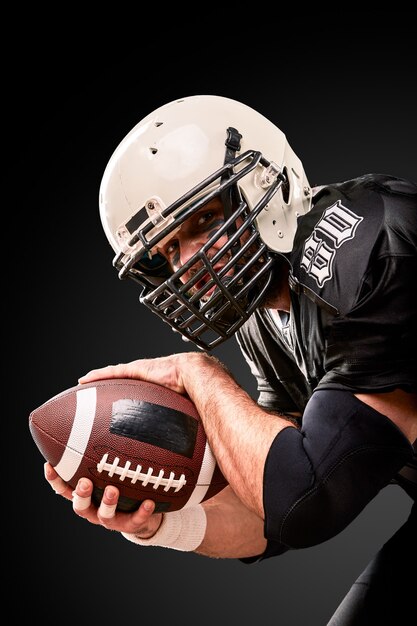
177, 159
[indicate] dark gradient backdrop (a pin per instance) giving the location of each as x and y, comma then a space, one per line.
346, 111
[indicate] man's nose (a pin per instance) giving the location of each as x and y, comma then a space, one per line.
188, 249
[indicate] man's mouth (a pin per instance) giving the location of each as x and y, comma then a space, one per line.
206, 285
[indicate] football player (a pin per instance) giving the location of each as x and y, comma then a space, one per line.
210, 212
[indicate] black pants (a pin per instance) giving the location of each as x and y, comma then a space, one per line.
385, 593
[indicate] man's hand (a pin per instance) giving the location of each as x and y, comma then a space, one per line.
141, 522
166, 371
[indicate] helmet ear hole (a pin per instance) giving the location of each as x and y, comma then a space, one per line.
285, 187
155, 267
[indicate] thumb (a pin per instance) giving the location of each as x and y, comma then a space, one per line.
122, 370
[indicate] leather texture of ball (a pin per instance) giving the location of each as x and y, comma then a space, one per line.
143, 438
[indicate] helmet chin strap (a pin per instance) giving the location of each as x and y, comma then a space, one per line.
230, 197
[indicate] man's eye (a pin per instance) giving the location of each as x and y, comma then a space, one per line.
206, 217
170, 250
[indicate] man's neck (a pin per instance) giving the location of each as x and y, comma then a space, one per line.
279, 298
281, 302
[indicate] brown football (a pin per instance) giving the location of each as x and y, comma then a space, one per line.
141, 437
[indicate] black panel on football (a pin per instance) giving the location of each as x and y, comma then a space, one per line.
172, 430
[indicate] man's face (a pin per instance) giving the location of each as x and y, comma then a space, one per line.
192, 235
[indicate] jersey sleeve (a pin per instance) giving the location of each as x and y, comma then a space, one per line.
356, 267
371, 348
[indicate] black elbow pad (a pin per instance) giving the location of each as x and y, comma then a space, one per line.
317, 480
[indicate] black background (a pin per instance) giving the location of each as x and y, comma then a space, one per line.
346, 110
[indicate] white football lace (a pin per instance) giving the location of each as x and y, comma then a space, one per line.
137, 474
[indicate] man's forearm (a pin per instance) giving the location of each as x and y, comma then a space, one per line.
239, 431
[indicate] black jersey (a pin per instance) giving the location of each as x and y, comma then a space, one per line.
353, 320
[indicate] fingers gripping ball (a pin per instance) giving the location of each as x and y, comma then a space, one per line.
143, 438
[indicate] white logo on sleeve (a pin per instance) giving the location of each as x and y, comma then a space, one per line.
339, 224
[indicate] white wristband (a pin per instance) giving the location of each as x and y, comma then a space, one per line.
180, 530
